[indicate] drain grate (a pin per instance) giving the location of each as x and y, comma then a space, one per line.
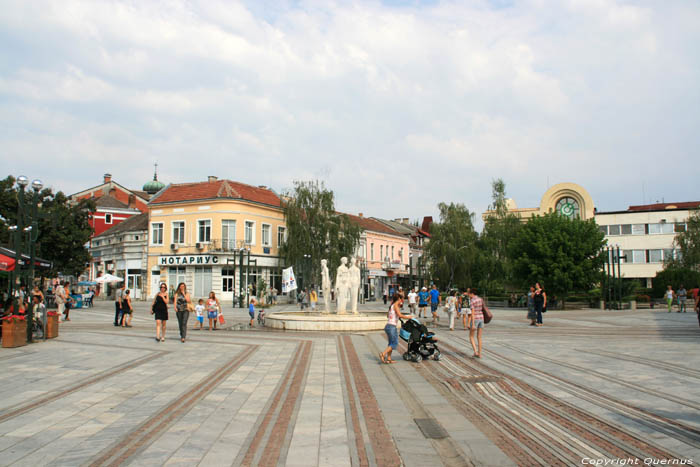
431, 428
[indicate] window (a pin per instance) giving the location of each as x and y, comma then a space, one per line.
655, 256
626, 229
668, 254
680, 227
108, 218
250, 233
202, 282
228, 276
667, 228
654, 229
265, 233
613, 230
392, 253
639, 256
136, 237
639, 229
175, 276
204, 230
228, 234
568, 207
281, 232
626, 256
604, 229
157, 233
381, 252
371, 251
179, 232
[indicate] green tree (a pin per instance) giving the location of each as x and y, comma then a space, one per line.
500, 228
316, 229
452, 250
64, 228
688, 244
675, 276
564, 255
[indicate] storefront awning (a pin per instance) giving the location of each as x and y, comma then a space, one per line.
24, 259
7, 263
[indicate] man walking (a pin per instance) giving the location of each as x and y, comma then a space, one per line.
476, 321
118, 297
60, 298
435, 303
422, 302
682, 296
412, 295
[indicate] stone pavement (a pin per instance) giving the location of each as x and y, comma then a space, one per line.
588, 386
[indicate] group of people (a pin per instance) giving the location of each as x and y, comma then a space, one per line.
536, 304
468, 305
680, 297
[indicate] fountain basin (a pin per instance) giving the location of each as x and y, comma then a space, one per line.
314, 321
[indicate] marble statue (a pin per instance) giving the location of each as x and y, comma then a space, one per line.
355, 284
342, 285
326, 285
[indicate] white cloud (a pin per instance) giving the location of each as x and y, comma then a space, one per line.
397, 107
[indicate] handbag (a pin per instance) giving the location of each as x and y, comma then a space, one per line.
190, 307
488, 316
221, 318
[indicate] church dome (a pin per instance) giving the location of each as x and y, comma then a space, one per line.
154, 186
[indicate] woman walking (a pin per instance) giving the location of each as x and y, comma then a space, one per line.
213, 308
183, 302
127, 309
160, 309
540, 301
451, 306
390, 329
531, 314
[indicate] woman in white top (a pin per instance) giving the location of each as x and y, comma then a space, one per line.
451, 307
391, 327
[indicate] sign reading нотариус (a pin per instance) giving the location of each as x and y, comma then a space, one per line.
175, 260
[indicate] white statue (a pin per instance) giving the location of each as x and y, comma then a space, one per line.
342, 285
326, 285
355, 284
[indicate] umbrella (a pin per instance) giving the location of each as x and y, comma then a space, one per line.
109, 278
87, 283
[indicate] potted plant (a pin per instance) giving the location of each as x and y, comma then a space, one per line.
14, 331
51, 324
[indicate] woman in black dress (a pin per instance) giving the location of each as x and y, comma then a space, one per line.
160, 309
540, 299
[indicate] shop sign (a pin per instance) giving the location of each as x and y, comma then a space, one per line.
175, 260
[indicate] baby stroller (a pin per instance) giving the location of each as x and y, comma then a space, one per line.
261, 317
421, 342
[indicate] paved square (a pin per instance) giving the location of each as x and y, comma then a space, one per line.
588, 386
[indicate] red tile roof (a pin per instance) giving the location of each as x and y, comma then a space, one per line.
367, 223
664, 206
218, 189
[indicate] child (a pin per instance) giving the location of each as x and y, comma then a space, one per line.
251, 311
199, 309
212, 310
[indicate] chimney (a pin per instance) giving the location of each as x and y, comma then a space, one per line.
132, 200
361, 215
107, 178
212, 178
262, 186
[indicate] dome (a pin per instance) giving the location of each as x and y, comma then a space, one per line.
154, 186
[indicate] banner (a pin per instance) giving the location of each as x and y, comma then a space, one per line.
289, 282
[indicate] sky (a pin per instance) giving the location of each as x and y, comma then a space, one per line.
396, 105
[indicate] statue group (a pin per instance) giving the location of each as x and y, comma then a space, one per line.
347, 285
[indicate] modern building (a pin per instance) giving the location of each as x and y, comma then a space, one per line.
217, 235
645, 234
384, 255
122, 251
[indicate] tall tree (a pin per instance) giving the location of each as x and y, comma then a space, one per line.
564, 255
452, 250
688, 243
316, 229
500, 227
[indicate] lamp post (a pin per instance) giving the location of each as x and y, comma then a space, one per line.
25, 235
306, 265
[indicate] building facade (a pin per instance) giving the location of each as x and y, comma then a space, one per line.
219, 235
417, 240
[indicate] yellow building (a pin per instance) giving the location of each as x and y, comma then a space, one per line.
217, 235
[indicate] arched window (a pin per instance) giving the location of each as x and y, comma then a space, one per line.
568, 207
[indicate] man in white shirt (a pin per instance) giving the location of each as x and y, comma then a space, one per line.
412, 296
60, 298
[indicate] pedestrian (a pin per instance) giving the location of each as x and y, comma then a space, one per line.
403, 296
183, 302
412, 296
385, 293
451, 306
682, 297
36, 292
127, 309
422, 301
697, 307
669, 298
213, 308
540, 301
435, 301
60, 299
199, 310
313, 298
305, 300
171, 293
70, 301
118, 295
466, 308
251, 311
159, 308
531, 314
301, 298
390, 328
476, 324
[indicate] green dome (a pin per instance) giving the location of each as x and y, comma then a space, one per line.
154, 186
